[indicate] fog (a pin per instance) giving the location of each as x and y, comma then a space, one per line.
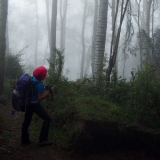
22, 27
22, 30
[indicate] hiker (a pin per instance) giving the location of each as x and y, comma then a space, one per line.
34, 106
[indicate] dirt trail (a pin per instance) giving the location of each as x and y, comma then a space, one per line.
10, 147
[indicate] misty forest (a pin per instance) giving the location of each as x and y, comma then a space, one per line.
103, 60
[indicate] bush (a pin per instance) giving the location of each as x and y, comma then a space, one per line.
118, 91
126, 104
144, 94
13, 68
140, 98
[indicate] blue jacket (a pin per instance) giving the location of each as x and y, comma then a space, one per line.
37, 88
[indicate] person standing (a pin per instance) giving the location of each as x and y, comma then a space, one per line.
34, 106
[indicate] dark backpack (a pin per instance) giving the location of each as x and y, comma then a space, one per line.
23, 92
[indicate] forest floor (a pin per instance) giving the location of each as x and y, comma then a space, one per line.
10, 146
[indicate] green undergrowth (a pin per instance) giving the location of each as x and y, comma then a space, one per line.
126, 105
93, 109
82, 104
1, 122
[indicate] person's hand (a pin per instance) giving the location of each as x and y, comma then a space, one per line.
49, 88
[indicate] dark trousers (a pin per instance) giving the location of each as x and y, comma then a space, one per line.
39, 110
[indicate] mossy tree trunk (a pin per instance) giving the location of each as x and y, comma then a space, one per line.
3, 20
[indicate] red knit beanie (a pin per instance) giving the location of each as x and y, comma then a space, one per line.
40, 73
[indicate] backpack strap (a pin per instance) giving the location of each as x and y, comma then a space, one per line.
35, 82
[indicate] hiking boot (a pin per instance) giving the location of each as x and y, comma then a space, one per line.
27, 143
45, 143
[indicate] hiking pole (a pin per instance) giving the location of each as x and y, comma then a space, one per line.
53, 122
47, 100
47, 87
52, 102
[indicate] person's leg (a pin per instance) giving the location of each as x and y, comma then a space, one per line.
39, 110
27, 120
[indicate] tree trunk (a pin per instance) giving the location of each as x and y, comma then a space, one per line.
139, 28
88, 61
3, 21
145, 25
36, 41
53, 31
48, 22
114, 49
7, 39
83, 39
148, 13
94, 33
153, 11
63, 14
114, 28
100, 38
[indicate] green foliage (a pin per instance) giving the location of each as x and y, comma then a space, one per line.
126, 104
156, 48
117, 91
56, 68
141, 97
86, 86
76, 101
145, 44
144, 96
150, 47
7, 90
13, 68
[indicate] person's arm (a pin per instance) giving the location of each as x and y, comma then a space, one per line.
42, 96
